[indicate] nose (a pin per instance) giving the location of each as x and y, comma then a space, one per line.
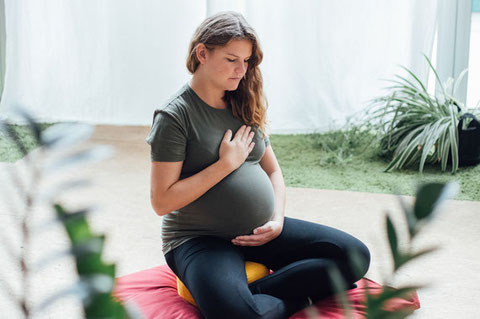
241, 68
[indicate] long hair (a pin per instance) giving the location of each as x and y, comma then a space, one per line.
248, 101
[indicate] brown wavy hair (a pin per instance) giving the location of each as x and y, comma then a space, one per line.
248, 101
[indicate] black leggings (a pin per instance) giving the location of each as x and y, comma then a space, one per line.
213, 269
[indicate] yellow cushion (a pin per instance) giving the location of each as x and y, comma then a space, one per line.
254, 272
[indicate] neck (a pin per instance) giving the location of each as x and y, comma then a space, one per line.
207, 91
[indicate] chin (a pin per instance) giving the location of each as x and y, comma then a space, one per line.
232, 87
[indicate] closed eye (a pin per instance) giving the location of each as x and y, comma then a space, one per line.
230, 60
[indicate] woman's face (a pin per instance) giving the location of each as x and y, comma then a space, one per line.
227, 65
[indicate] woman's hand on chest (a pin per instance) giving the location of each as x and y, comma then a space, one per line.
234, 152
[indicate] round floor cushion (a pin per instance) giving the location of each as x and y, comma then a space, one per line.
253, 270
153, 293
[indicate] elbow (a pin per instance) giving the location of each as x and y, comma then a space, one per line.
159, 208
155, 202
159, 211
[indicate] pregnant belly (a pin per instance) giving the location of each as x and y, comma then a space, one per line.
235, 206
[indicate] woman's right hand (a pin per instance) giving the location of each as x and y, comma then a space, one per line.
234, 152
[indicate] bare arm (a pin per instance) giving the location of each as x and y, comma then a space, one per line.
168, 193
270, 165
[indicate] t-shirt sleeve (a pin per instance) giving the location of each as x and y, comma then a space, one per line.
167, 138
267, 141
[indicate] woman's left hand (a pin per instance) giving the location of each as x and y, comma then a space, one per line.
261, 235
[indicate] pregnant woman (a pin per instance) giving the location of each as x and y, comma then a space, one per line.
217, 183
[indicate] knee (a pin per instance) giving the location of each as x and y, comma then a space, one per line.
254, 306
219, 308
359, 258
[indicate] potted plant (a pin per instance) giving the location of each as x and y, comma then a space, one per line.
416, 127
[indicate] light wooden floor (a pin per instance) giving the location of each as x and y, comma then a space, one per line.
120, 191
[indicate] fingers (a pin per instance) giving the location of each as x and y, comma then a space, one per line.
250, 137
250, 147
262, 230
228, 136
246, 133
258, 234
240, 131
248, 244
248, 237
261, 236
251, 240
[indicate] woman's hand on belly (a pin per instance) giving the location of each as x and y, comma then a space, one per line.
261, 235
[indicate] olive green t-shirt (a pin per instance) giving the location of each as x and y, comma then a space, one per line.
188, 129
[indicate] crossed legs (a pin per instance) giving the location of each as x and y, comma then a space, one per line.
213, 269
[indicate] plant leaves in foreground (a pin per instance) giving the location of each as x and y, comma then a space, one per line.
430, 196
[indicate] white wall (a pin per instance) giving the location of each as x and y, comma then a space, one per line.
115, 61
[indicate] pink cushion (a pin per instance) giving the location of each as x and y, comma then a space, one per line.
154, 292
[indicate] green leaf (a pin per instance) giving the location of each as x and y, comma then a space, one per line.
458, 81
430, 196
444, 151
392, 238
436, 75
453, 135
415, 77
75, 224
431, 136
409, 216
93, 245
408, 146
104, 306
339, 286
404, 258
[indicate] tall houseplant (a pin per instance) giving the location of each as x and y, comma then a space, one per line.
415, 126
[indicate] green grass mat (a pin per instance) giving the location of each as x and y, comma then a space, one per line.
329, 161
305, 164
8, 151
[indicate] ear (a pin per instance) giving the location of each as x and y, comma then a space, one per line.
201, 53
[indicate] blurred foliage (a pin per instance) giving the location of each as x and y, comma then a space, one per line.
56, 154
98, 277
429, 197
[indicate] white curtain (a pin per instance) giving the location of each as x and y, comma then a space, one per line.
115, 61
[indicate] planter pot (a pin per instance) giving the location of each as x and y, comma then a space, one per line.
469, 141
